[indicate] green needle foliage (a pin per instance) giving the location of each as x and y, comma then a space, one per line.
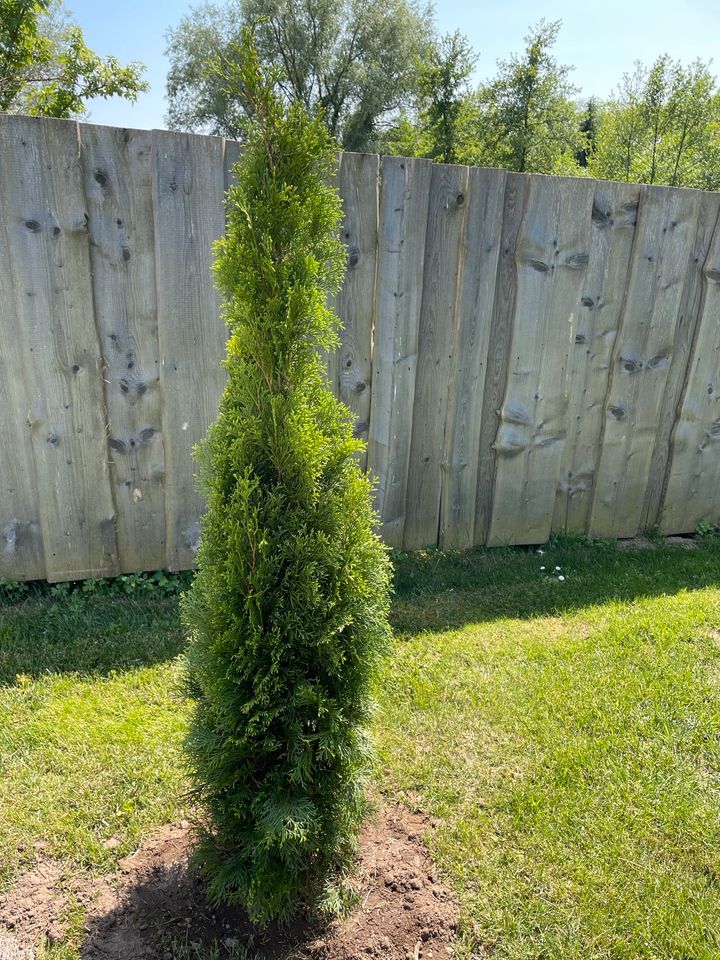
288, 610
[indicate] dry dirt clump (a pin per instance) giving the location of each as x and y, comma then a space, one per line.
154, 903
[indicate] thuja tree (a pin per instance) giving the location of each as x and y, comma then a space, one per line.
288, 610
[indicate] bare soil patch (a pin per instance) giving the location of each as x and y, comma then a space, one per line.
155, 903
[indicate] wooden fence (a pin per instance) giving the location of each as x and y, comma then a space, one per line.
524, 354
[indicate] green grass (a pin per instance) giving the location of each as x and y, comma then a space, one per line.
565, 734
90, 729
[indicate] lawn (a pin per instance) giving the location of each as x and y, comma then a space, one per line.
564, 733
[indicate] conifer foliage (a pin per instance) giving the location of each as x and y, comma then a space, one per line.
288, 611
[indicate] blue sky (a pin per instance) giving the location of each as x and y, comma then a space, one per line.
601, 39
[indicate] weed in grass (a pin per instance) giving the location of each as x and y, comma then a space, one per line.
182, 948
707, 530
159, 581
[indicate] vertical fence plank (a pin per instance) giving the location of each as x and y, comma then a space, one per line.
21, 550
614, 215
45, 213
693, 485
691, 307
355, 304
552, 257
232, 151
403, 218
664, 239
189, 186
480, 248
331, 358
446, 216
117, 174
514, 201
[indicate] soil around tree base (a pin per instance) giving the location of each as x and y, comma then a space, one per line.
154, 906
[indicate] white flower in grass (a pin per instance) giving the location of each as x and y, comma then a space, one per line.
561, 577
542, 568
557, 568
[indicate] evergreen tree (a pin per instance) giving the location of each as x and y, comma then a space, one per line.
588, 128
440, 125
443, 86
288, 610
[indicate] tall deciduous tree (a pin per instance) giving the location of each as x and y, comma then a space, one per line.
289, 606
47, 69
353, 59
443, 90
439, 125
526, 119
661, 126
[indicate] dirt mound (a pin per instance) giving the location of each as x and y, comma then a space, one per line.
154, 906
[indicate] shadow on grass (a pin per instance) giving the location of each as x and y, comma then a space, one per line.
438, 591
96, 634
90, 635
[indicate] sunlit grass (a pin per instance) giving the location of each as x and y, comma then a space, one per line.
573, 761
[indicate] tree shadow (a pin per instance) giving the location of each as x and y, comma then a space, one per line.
438, 591
165, 914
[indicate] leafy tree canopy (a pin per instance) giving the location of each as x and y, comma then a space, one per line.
355, 60
436, 127
47, 69
526, 118
662, 125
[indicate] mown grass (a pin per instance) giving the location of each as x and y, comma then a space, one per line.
90, 728
565, 734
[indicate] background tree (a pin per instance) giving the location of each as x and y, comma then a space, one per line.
588, 128
443, 92
353, 59
526, 119
438, 127
47, 69
289, 606
661, 126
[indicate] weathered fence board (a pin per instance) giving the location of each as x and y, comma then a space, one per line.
446, 215
189, 188
117, 174
614, 215
351, 365
21, 549
551, 260
480, 247
523, 354
664, 238
694, 474
404, 201
683, 341
501, 329
46, 217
